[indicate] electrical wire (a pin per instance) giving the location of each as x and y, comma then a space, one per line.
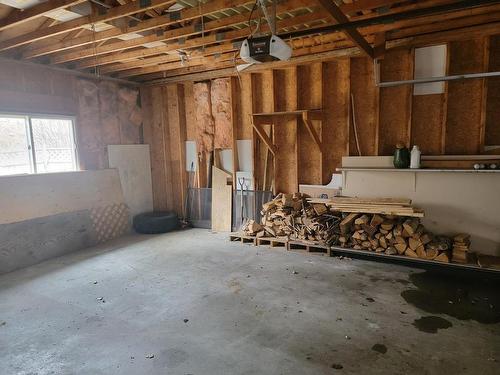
250, 17
96, 67
202, 26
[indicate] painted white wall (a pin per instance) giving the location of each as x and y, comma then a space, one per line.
134, 166
31, 196
454, 202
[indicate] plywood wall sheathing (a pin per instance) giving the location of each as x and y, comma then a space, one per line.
427, 123
492, 126
395, 102
285, 130
335, 134
463, 125
366, 99
309, 96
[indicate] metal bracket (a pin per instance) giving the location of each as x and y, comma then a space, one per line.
175, 16
220, 36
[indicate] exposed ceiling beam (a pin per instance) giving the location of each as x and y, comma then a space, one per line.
111, 14
231, 71
20, 16
201, 42
184, 32
146, 25
352, 33
386, 19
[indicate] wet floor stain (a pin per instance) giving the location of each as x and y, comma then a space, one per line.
431, 324
380, 348
456, 295
375, 279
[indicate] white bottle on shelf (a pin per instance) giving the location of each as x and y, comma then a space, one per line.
415, 158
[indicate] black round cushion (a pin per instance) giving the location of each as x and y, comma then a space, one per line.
155, 222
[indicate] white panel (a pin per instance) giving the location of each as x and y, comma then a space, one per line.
191, 156
226, 160
430, 62
31, 196
134, 165
245, 155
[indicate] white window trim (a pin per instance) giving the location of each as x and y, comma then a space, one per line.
29, 133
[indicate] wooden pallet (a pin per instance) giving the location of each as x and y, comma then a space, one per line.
273, 242
315, 248
308, 246
235, 236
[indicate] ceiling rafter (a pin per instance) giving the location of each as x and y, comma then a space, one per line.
352, 33
182, 32
111, 14
127, 48
146, 25
19, 16
191, 43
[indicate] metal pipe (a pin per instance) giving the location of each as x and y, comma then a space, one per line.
435, 79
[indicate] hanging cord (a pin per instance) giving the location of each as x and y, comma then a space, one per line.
202, 26
250, 18
96, 67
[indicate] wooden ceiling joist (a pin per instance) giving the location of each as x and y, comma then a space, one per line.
77, 23
19, 16
182, 32
352, 33
150, 47
146, 25
198, 42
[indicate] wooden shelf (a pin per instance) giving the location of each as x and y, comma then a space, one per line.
298, 112
421, 170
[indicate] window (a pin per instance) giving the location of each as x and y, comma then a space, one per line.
36, 144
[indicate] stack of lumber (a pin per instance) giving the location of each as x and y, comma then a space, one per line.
393, 235
292, 217
385, 206
461, 244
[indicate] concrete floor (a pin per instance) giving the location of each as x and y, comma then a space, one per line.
199, 304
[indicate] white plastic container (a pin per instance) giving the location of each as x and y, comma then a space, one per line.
415, 158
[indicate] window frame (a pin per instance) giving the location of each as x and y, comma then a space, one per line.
31, 143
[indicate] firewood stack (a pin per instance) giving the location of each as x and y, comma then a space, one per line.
291, 216
392, 235
461, 243
294, 217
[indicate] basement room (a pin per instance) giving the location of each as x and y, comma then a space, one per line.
249, 187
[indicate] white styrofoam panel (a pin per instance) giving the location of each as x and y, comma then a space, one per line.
130, 36
430, 62
62, 15
153, 44
226, 160
20, 4
245, 155
191, 156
